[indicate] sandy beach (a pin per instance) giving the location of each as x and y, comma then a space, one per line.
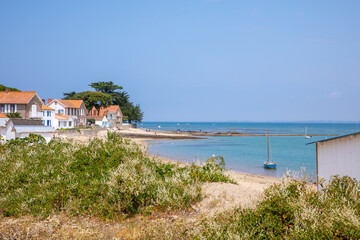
217, 196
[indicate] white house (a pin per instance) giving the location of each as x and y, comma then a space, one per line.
3, 120
338, 156
48, 116
20, 128
74, 108
64, 121
113, 115
100, 121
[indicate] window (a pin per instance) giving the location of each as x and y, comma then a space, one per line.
69, 123
49, 113
48, 123
59, 111
65, 124
43, 122
43, 113
110, 116
59, 124
3, 108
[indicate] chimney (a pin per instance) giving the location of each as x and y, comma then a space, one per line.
43, 100
49, 100
7, 91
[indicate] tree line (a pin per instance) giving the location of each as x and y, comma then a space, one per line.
105, 94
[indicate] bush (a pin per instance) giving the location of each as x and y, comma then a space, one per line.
290, 210
107, 179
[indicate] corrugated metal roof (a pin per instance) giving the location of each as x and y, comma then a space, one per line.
324, 140
33, 129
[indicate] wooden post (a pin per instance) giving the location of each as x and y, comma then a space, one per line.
268, 144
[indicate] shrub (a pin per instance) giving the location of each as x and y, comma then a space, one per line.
107, 179
290, 210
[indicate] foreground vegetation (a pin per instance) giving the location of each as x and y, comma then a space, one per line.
290, 210
115, 179
107, 179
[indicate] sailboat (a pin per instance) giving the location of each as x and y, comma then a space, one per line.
269, 164
306, 136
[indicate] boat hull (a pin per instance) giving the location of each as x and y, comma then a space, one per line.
269, 165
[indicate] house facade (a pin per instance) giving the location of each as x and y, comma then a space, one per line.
64, 121
3, 121
28, 104
113, 114
100, 120
48, 116
75, 109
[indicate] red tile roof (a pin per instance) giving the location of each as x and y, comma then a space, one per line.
44, 107
111, 109
16, 97
96, 118
59, 116
3, 116
70, 103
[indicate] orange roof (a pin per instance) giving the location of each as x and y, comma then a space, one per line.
3, 116
71, 103
59, 116
96, 118
44, 107
111, 108
16, 97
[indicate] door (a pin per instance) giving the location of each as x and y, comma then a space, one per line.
33, 110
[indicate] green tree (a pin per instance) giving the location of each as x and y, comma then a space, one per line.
3, 88
105, 87
68, 96
121, 98
93, 99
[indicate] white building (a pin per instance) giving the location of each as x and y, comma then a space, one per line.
20, 128
338, 156
3, 120
63, 121
76, 109
100, 121
48, 116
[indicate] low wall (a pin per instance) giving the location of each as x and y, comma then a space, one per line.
80, 132
126, 126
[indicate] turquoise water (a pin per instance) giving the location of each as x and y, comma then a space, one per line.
247, 154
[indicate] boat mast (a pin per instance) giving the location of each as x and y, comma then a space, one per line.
268, 143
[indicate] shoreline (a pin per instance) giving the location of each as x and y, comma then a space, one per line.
169, 134
144, 143
217, 196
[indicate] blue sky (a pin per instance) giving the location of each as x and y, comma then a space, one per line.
197, 60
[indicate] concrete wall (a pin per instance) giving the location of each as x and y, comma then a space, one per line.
340, 156
9, 133
80, 132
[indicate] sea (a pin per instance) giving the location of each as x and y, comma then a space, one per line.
293, 154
